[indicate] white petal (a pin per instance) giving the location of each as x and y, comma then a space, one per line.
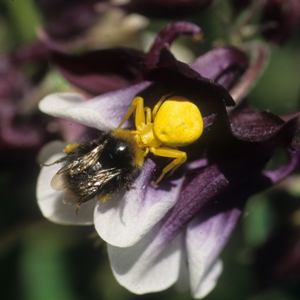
51, 202
123, 222
209, 281
49, 150
149, 266
204, 242
103, 112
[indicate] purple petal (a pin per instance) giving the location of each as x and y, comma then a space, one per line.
195, 194
223, 65
101, 71
179, 78
218, 188
282, 172
103, 112
205, 239
116, 221
166, 36
259, 60
251, 126
254, 126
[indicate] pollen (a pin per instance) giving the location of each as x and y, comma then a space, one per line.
70, 148
178, 122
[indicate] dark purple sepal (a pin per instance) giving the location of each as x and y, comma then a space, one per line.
285, 170
172, 77
178, 76
216, 189
253, 126
259, 55
260, 126
197, 192
235, 173
101, 71
251, 147
222, 65
166, 8
165, 38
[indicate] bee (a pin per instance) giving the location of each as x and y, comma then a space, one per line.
113, 161
96, 168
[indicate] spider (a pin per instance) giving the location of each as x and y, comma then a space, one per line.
173, 122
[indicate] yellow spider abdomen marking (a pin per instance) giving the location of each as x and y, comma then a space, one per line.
178, 122
70, 148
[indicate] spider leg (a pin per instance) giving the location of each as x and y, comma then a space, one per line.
137, 105
158, 104
179, 158
148, 115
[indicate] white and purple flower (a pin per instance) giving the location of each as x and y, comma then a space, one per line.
157, 237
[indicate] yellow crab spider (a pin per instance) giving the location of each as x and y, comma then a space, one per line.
173, 122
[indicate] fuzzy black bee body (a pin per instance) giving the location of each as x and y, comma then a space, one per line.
98, 168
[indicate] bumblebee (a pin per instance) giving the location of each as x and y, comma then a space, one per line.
112, 162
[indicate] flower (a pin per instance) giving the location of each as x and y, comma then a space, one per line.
175, 233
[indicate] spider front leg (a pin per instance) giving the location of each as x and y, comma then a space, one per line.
179, 158
137, 105
148, 114
158, 104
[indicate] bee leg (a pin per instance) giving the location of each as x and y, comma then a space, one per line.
77, 206
104, 198
70, 148
54, 162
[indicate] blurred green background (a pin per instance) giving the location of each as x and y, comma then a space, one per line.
43, 261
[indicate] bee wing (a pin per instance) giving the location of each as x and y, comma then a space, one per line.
89, 188
58, 181
83, 162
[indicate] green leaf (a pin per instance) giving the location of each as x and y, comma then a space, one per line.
43, 268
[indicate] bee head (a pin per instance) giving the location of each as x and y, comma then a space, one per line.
117, 152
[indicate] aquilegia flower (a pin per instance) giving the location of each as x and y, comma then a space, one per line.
159, 236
